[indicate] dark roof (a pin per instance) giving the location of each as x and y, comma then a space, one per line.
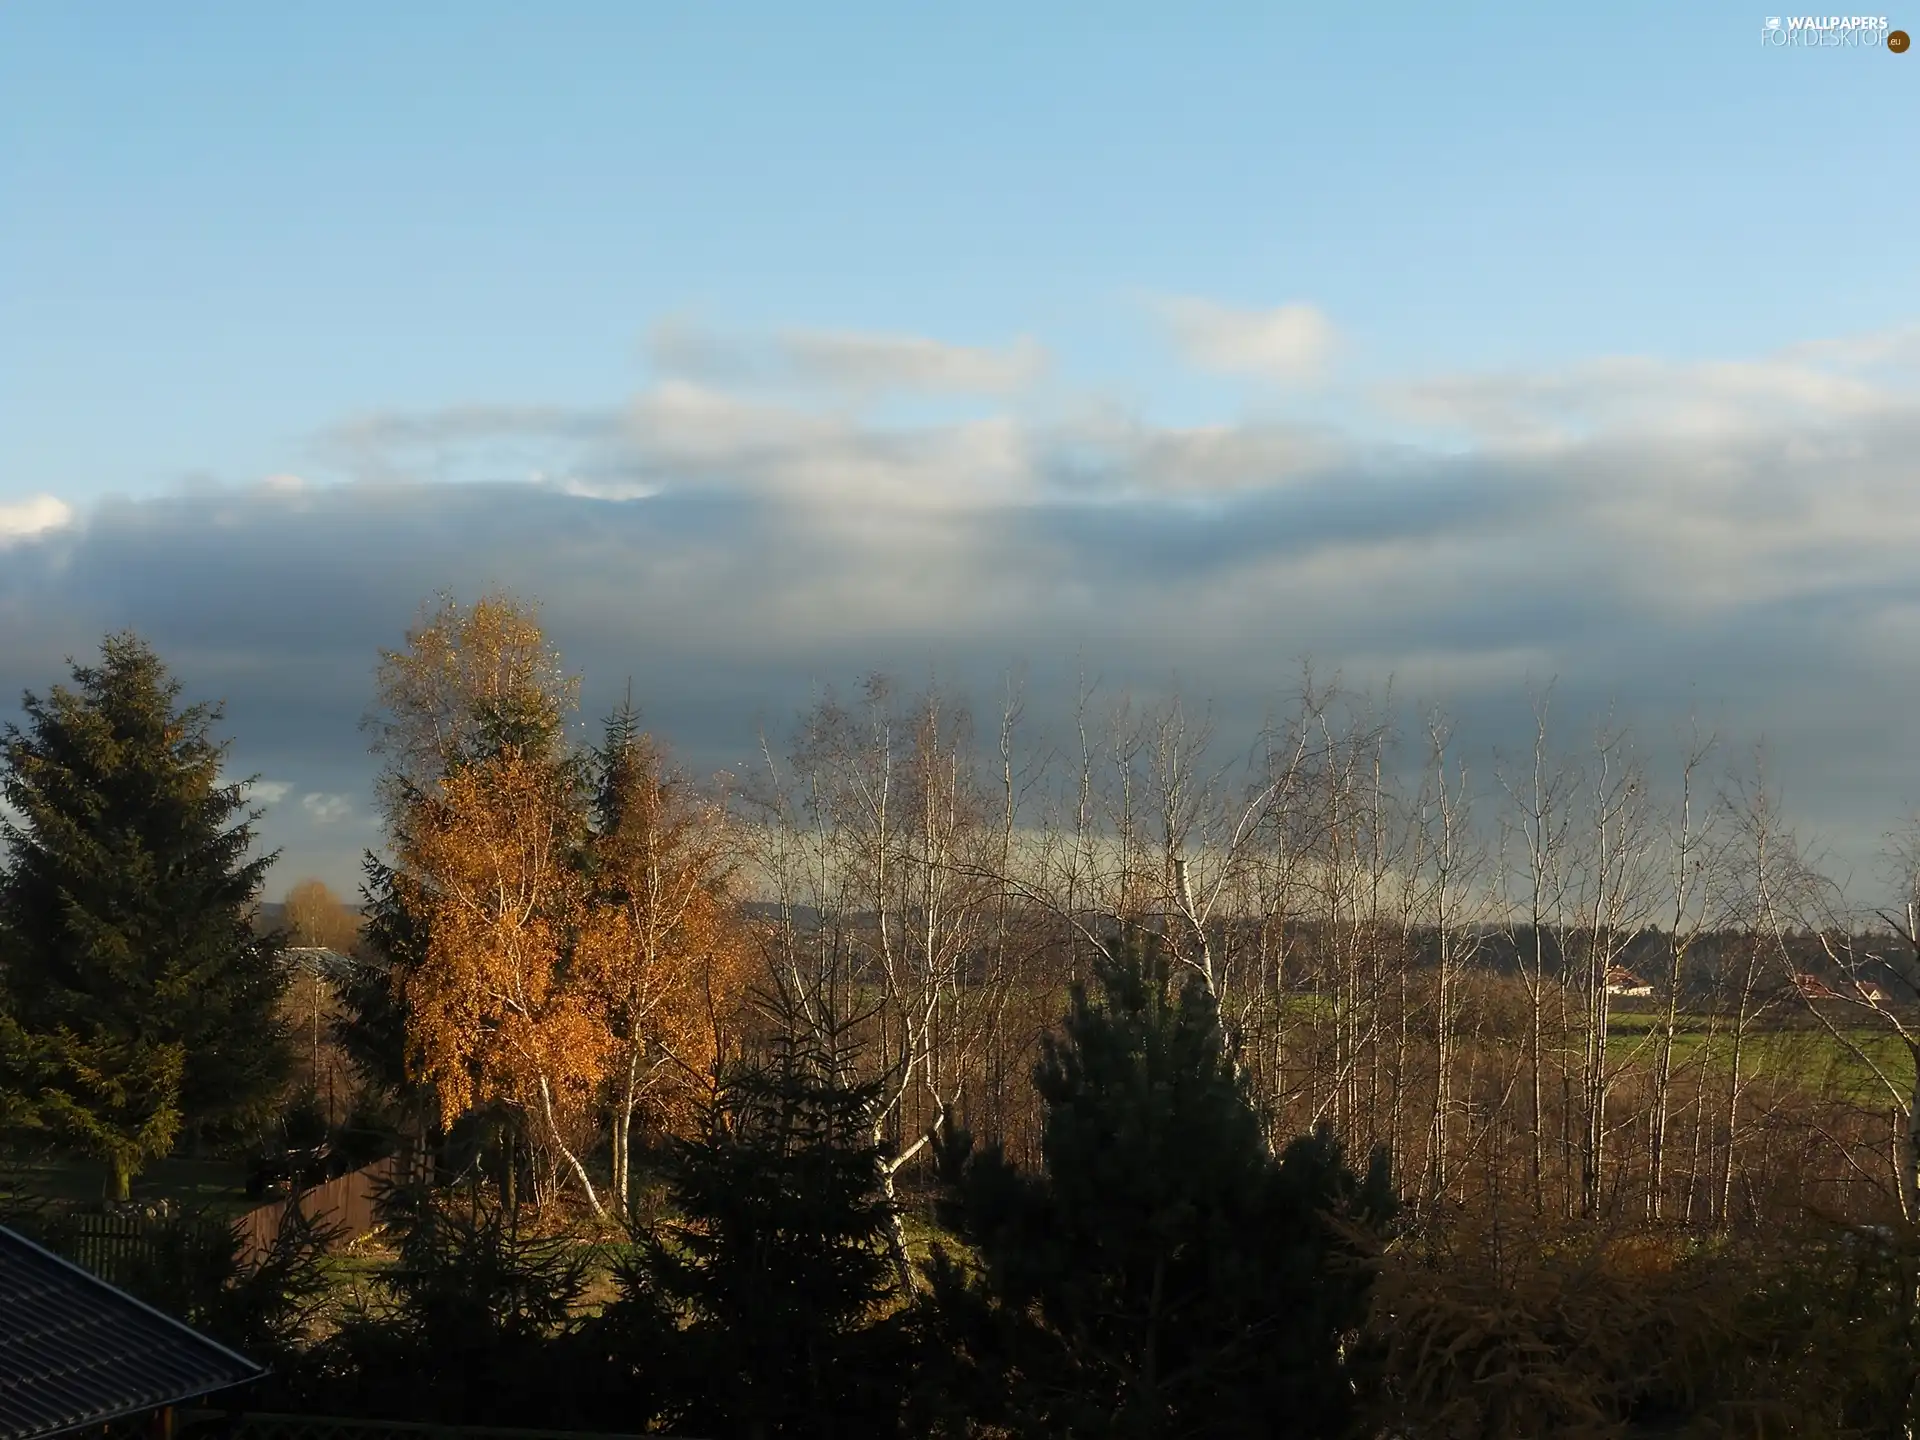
76, 1352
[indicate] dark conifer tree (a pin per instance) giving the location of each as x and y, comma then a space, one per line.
131, 966
474, 1324
613, 764
1166, 1275
372, 1025
768, 1298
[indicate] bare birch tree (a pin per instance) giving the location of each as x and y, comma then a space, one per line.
1611, 902
884, 827
1878, 985
1691, 872
1767, 890
1541, 809
1451, 866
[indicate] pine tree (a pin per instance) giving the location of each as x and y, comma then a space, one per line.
615, 762
770, 1292
1165, 1274
137, 986
372, 1025
473, 1323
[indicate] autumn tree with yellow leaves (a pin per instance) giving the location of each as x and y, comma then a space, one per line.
485, 818
499, 1010
582, 948
663, 949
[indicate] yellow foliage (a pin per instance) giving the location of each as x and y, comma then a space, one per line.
467, 677
663, 945
496, 1011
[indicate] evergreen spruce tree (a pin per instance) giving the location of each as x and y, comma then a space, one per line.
766, 1304
474, 1323
1166, 1274
612, 765
372, 1024
139, 994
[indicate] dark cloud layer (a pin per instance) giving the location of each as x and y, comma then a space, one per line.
1699, 554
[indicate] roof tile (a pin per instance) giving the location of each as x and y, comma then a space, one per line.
74, 1351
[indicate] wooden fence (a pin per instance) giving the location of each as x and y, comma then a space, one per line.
119, 1246
346, 1202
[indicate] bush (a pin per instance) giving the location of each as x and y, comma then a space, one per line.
1525, 1331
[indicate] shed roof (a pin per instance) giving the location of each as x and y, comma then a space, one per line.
75, 1351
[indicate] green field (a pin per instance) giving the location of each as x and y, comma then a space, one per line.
1821, 1062
219, 1185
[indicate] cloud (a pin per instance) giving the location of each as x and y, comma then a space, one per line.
33, 517
1291, 343
326, 809
907, 362
270, 792
1897, 348
1819, 383
1758, 567
855, 362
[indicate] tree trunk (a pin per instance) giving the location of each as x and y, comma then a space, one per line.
1596, 1077
623, 1134
897, 1232
1443, 1074
1733, 1125
1535, 1001
1910, 1170
622, 1196
573, 1161
509, 1173
1662, 1089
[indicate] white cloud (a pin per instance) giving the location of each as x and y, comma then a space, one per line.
270, 792
1632, 524
1291, 343
326, 809
698, 437
1897, 348
861, 362
910, 362
25, 519
610, 490
1614, 396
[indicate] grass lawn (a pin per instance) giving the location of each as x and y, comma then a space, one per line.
1820, 1062
219, 1185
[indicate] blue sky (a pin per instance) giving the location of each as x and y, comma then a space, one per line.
227, 225
1410, 262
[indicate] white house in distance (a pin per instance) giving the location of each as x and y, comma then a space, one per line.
1867, 992
1622, 981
